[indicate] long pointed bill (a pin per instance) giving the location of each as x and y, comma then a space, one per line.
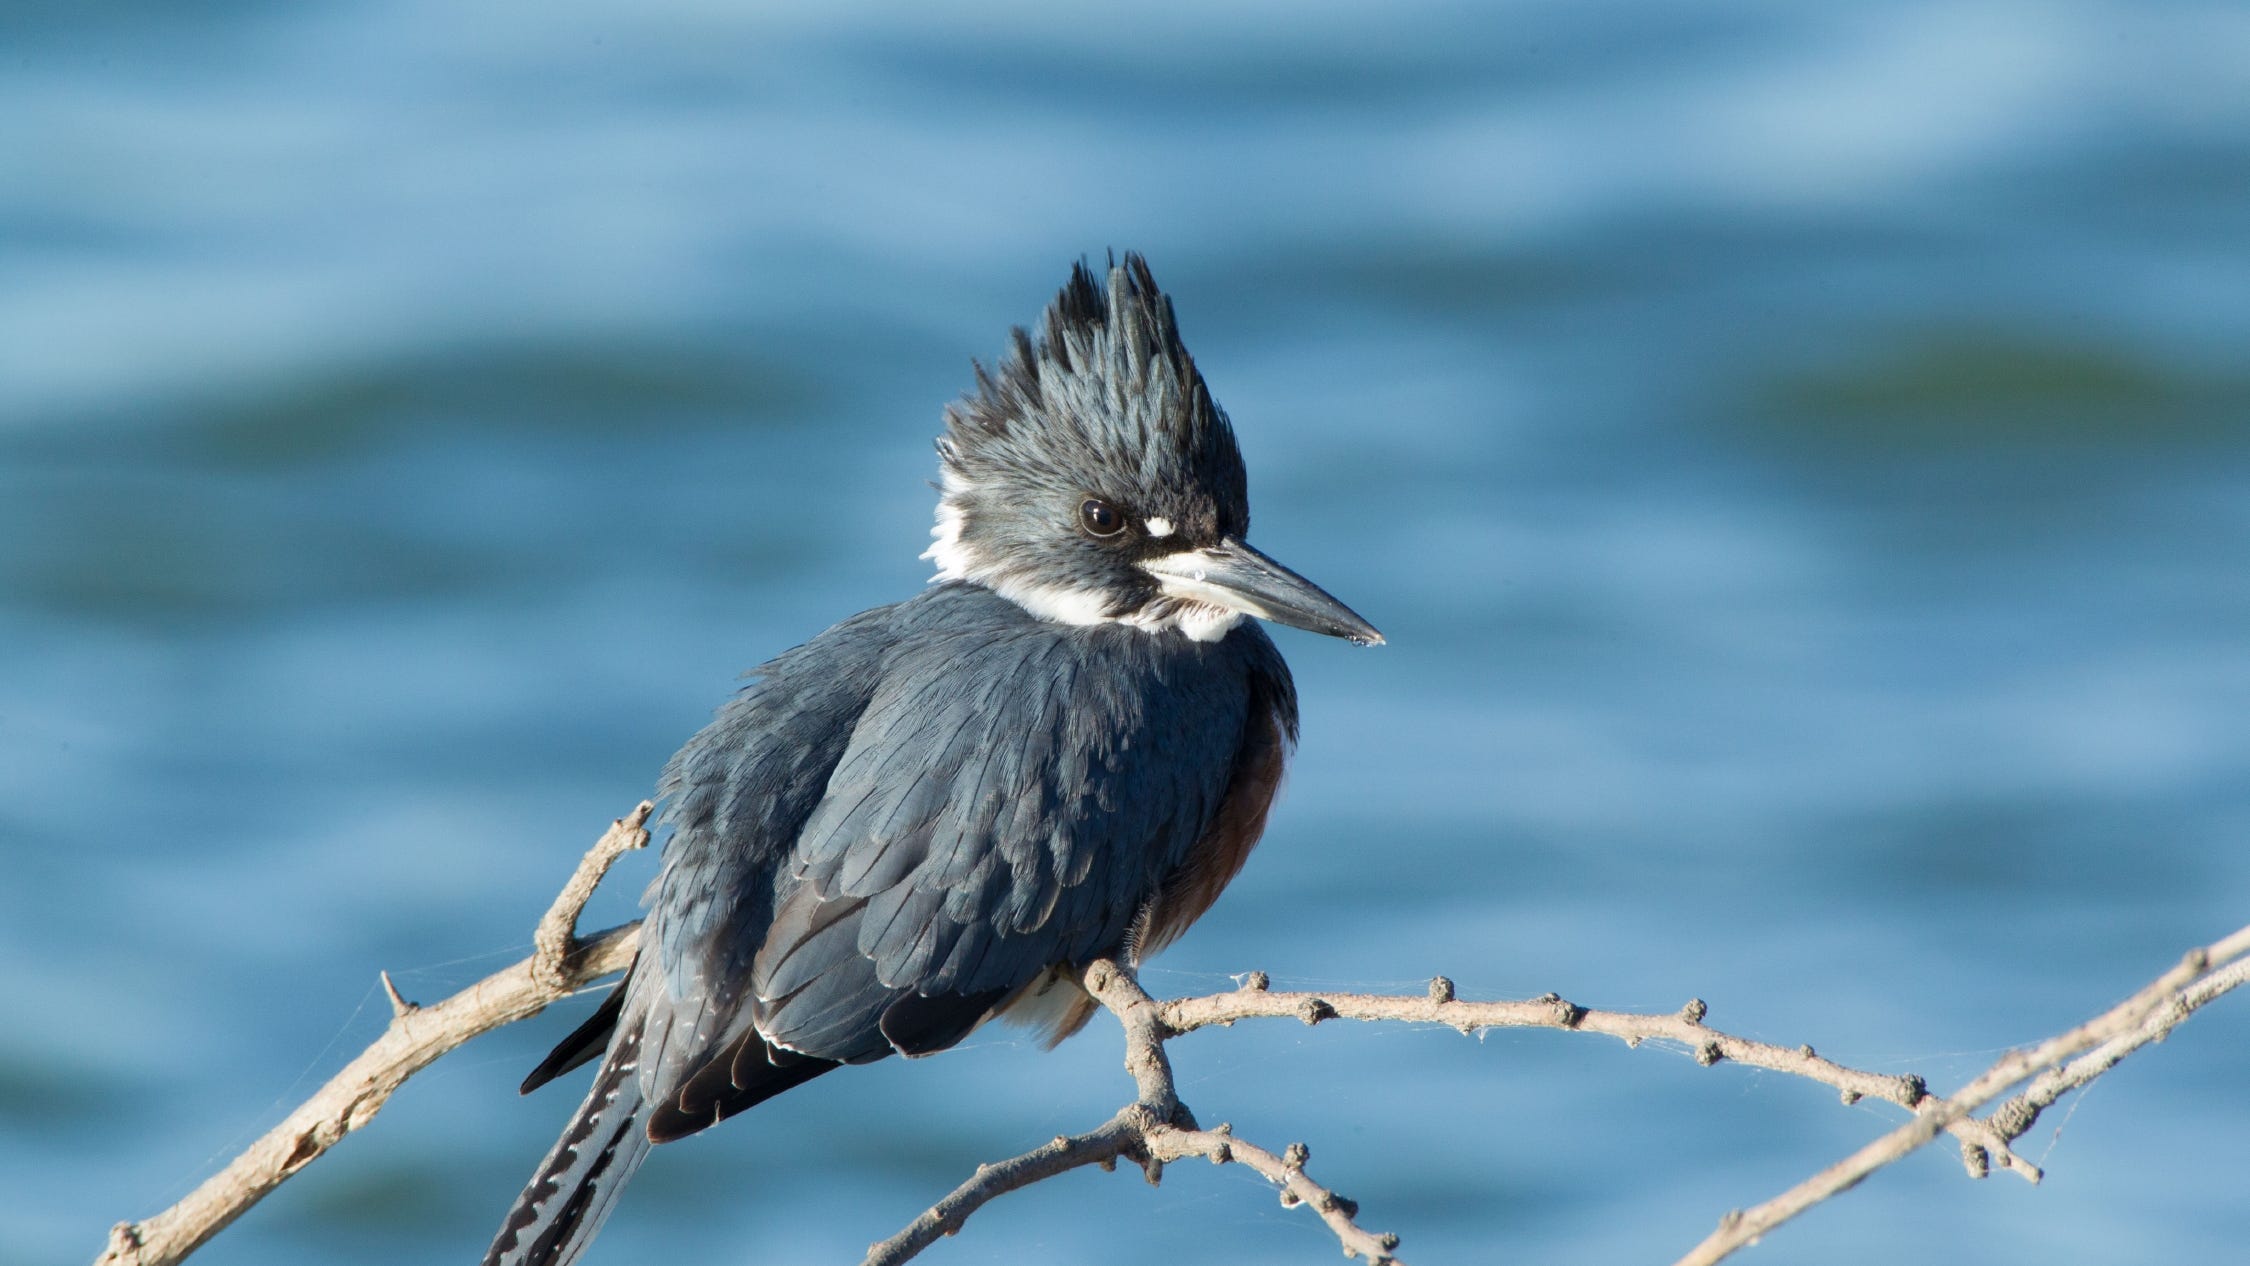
1233, 576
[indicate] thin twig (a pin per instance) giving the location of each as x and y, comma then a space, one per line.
2145, 1017
1684, 1028
1120, 1136
1152, 1131
1173, 1134
556, 937
415, 1038
2015, 1117
1286, 1171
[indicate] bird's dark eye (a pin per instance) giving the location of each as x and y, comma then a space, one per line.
1099, 518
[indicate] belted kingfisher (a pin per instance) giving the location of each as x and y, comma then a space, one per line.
929, 814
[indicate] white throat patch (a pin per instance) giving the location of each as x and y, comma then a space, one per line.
1201, 621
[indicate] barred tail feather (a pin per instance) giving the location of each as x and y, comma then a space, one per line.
578, 1183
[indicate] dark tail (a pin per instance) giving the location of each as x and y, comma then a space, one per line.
576, 1186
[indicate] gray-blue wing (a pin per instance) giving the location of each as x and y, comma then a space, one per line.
736, 797
1012, 795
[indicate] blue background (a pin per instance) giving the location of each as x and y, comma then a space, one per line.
1800, 455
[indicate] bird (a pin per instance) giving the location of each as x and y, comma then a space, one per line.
1060, 750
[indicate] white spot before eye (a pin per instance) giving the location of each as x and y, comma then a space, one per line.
1159, 527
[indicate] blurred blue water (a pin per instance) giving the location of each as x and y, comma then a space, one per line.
1801, 457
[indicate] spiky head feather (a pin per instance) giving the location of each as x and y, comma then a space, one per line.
1105, 402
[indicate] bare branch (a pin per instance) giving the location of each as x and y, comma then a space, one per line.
416, 1037
1684, 1028
1172, 1133
1152, 1131
1120, 1136
2015, 1117
1286, 1171
1145, 1034
1156, 1128
2143, 1018
556, 937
